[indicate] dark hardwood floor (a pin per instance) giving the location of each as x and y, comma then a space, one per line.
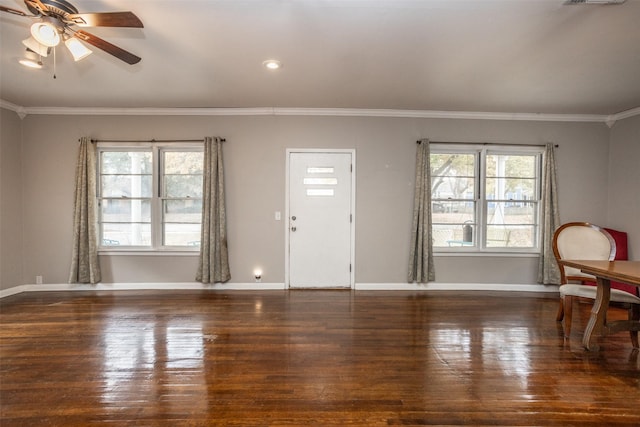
298, 358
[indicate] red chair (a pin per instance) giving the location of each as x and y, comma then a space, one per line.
622, 254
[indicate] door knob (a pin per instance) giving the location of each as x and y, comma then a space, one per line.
293, 218
293, 229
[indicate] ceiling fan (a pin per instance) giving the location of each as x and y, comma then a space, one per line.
56, 21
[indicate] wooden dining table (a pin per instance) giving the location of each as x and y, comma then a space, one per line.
605, 272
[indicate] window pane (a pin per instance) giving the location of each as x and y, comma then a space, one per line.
125, 162
182, 234
511, 188
182, 211
453, 176
511, 224
511, 177
182, 206
183, 186
511, 236
452, 212
459, 164
126, 186
126, 210
511, 213
523, 236
498, 236
183, 162
454, 235
514, 166
126, 234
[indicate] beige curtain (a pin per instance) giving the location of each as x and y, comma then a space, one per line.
421, 267
548, 272
85, 267
214, 258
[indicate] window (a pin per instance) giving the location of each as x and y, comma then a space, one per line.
485, 198
150, 197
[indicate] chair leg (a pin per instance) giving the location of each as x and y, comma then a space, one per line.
560, 314
568, 311
634, 314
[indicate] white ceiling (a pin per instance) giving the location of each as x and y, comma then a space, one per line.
510, 56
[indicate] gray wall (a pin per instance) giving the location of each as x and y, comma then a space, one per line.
624, 181
255, 183
10, 200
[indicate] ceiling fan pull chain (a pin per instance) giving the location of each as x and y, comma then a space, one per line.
54, 63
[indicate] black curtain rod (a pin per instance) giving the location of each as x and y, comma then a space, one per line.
487, 143
150, 140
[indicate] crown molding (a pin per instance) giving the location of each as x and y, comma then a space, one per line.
334, 112
20, 111
612, 119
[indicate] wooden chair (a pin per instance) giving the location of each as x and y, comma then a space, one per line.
584, 241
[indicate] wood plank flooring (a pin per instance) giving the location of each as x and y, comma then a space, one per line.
299, 358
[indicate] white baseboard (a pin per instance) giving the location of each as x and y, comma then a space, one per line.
435, 286
276, 286
173, 286
13, 291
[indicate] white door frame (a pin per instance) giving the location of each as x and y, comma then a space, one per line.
352, 261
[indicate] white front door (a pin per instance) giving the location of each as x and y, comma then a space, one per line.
320, 216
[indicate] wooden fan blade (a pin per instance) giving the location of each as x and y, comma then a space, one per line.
114, 50
14, 11
37, 5
107, 19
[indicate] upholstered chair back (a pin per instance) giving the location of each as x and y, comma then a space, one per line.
582, 241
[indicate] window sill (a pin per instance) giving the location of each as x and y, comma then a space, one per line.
486, 254
148, 252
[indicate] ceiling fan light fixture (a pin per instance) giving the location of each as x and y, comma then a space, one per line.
31, 60
45, 33
30, 63
33, 45
77, 49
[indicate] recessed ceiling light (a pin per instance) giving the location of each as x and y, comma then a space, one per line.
272, 64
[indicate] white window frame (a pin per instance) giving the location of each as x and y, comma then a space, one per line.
157, 246
481, 151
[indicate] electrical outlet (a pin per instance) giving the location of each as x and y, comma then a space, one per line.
38, 280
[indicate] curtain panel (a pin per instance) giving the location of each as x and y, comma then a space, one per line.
548, 270
85, 267
213, 265
421, 268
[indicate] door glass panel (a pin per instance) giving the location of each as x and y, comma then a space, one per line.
319, 191
321, 181
315, 169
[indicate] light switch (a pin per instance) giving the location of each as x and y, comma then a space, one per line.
278, 216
